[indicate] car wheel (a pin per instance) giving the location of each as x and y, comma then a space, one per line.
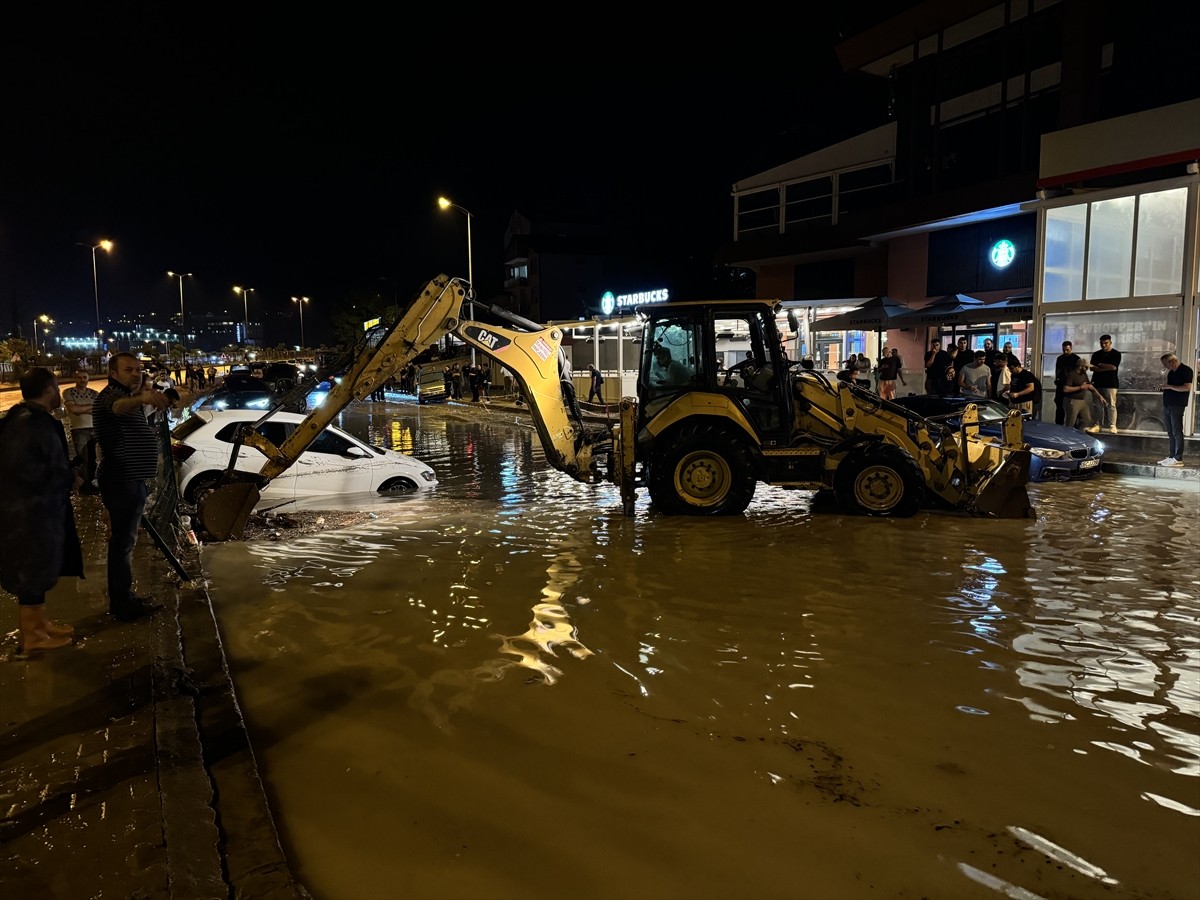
398, 485
702, 470
879, 481
201, 486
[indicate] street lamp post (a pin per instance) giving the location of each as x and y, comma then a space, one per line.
182, 320
300, 301
106, 246
445, 203
45, 320
245, 292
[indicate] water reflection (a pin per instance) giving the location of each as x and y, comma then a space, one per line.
707, 708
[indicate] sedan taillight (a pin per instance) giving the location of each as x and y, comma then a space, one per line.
181, 451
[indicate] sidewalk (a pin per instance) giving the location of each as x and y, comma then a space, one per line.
125, 766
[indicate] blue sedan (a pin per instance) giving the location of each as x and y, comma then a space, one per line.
1058, 453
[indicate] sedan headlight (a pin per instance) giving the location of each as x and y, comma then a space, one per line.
429, 475
1047, 453
258, 404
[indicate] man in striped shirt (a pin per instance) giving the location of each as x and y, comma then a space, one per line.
128, 462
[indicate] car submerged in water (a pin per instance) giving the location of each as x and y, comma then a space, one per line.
335, 464
1058, 453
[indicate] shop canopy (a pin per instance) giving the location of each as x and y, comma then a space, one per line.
876, 314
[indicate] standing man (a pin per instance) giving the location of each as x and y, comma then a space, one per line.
38, 540
1076, 390
937, 361
596, 389
128, 462
79, 400
1021, 387
1104, 365
975, 380
1174, 398
891, 367
1066, 363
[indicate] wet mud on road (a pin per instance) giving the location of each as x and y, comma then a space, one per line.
507, 688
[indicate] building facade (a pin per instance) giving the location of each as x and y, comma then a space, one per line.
1037, 157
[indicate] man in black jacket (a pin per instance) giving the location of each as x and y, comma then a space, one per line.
38, 540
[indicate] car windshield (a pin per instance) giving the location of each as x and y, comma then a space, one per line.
991, 411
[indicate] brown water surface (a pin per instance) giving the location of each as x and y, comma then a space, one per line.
508, 689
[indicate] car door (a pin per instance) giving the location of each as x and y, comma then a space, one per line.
334, 463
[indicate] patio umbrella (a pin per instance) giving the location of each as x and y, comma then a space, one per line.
877, 314
952, 309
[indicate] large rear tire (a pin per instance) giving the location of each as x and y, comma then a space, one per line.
702, 470
879, 481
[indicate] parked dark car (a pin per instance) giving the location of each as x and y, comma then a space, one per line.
1058, 453
242, 390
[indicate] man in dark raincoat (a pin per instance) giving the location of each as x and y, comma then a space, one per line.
38, 540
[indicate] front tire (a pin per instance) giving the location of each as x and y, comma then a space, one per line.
398, 486
879, 481
702, 470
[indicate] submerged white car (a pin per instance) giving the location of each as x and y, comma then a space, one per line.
335, 464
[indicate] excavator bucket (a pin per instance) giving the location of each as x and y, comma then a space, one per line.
224, 511
1005, 496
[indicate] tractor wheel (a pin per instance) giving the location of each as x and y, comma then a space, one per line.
702, 470
879, 481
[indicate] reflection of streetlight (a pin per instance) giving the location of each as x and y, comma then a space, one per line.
245, 292
300, 301
182, 321
106, 246
45, 320
446, 204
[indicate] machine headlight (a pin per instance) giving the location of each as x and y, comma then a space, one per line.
429, 475
259, 404
1047, 453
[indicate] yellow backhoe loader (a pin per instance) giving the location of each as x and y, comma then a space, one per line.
700, 435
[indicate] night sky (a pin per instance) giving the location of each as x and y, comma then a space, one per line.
305, 156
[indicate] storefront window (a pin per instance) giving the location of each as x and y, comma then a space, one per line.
1066, 229
1110, 248
1142, 336
1160, 234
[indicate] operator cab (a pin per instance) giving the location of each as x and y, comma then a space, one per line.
702, 347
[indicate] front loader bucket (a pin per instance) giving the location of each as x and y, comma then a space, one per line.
1005, 495
224, 511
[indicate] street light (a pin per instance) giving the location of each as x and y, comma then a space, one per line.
444, 203
182, 321
245, 292
300, 301
106, 246
45, 320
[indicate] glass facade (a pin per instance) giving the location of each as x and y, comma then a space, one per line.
1123, 264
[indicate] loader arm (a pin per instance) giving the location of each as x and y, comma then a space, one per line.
531, 354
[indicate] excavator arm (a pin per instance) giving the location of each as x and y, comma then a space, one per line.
530, 351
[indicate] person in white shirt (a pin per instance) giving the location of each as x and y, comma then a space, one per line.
78, 401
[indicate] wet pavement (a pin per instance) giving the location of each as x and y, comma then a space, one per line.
128, 769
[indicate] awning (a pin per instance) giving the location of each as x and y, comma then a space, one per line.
877, 314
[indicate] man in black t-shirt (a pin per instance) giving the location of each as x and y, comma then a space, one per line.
1022, 387
1104, 365
1067, 362
1175, 391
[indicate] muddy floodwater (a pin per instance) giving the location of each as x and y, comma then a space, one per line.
505, 688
